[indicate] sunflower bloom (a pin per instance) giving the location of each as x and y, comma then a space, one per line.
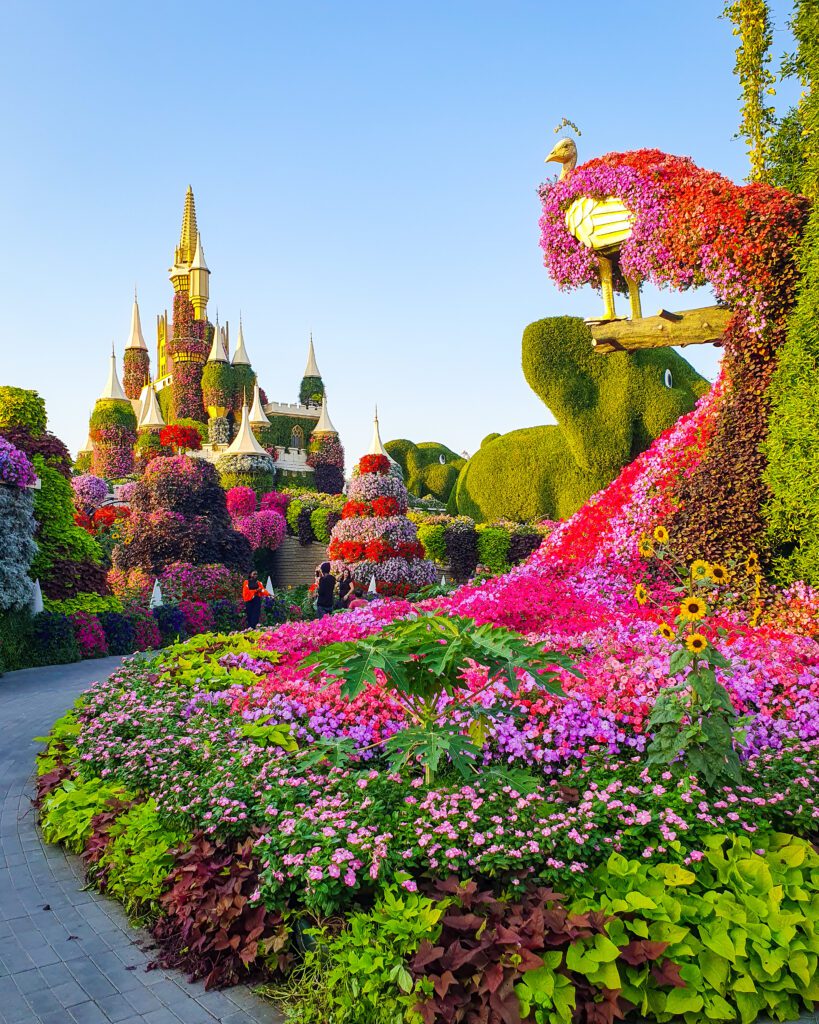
718, 573
666, 631
699, 569
752, 563
645, 547
640, 594
661, 534
693, 609
696, 643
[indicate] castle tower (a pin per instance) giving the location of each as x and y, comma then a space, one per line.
199, 281
312, 386
185, 251
113, 429
136, 362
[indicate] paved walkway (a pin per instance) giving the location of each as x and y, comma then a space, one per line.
69, 956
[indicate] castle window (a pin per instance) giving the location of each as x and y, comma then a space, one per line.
297, 438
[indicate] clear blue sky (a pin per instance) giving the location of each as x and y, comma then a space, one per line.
363, 170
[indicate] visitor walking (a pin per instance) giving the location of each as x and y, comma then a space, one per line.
326, 588
252, 594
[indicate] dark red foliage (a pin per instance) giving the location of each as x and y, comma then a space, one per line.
208, 928
50, 447
487, 944
46, 784
100, 837
69, 578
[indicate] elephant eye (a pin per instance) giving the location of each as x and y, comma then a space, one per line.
668, 380
442, 460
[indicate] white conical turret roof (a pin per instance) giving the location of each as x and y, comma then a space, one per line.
89, 444
376, 445
135, 339
245, 442
198, 262
113, 388
325, 424
151, 413
217, 348
258, 417
311, 370
240, 357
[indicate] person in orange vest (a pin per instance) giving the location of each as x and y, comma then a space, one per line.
252, 594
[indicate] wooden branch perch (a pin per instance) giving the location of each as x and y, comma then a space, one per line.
689, 327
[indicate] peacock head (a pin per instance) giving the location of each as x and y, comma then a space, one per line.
563, 152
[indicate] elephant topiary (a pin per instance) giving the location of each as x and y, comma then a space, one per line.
608, 408
429, 468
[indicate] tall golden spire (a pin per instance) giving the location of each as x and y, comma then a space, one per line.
184, 252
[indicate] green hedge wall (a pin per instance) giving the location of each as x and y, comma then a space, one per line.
22, 408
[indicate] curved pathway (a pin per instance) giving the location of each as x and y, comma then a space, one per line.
67, 954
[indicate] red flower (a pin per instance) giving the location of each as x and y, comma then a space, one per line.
374, 464
353, 509
181, 438
387, 506
109, 514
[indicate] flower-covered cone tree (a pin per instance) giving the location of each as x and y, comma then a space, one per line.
375, 537
179, 514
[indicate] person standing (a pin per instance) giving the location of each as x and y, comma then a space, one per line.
345, 588
252, 594
326, 588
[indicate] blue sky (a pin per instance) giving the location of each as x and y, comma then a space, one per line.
363, 170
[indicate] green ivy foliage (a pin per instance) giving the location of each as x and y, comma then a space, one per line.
59, 539
22, 408
311, 390
113, 412
92, 603
493, 547
608, 410
244, 381
792, 445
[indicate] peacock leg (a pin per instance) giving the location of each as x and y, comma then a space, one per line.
607, 286
634, 298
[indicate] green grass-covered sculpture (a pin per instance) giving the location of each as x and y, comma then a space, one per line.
608, 408
429, 468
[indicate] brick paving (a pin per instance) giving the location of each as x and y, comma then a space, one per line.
67, 954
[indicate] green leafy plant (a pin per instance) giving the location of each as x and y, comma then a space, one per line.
137, 859
68, 810
60, 748
421, 662
266, 735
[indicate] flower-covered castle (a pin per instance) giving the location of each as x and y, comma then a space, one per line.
199, 383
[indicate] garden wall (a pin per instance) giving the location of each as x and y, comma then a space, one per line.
294, 563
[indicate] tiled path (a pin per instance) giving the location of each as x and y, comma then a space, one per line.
69, 956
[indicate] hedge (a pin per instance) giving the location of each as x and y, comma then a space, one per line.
22, 408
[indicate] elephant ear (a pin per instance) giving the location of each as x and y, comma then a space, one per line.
399, 450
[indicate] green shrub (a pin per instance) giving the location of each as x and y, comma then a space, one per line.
17, 647
22, 408
493, 548
54, 639
60, 744
137, 860
311, 390
68, 810
92, 603
318, 522
361, 974
433, 537
59, 539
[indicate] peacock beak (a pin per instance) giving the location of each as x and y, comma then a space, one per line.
553, 157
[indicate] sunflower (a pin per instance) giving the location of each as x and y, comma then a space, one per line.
755, 616
661, 534
752, 563
699, 569
666, 631
696, 643
640, 594
645, 547
692, 609
718, 573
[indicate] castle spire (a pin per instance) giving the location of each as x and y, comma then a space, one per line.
245, 442
311, 370
198, 281
135, 339
184, 252
240, 356
376, 445
258, 417
113, 388
217, 348
325, 424
151, 413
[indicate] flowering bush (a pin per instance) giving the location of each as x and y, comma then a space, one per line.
184, 581
90, 635
264, 528
16, 469
374, 464
180, 438
241, 501
89, 492
136, 366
